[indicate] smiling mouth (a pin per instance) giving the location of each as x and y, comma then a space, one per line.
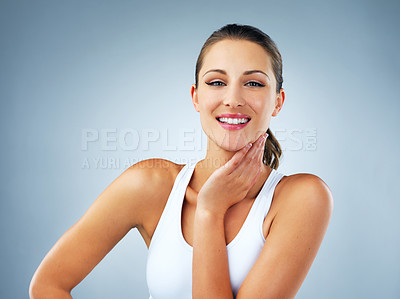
233, 121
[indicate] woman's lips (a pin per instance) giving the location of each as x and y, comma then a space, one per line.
235, 121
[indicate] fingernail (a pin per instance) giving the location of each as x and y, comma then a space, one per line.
249, 145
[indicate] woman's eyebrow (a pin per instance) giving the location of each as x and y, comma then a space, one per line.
245, 73
255, 71
215, 70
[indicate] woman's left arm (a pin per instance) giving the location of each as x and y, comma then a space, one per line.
294, 238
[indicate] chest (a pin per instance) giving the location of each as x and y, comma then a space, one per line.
235, 217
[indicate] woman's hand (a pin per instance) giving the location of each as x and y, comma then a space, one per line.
230, 183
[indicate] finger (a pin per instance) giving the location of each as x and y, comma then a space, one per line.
250, 161
255, 164
239, 163
231, 165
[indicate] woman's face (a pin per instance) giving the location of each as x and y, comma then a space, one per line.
236, 94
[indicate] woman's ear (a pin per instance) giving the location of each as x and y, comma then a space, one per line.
280, 98
195, 100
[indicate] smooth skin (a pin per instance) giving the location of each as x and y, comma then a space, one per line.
219, 196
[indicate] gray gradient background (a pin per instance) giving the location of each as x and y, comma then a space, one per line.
68, 66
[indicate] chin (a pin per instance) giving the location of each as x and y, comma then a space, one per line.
233, 145
233, 140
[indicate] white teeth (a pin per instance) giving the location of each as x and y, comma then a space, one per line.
233, 121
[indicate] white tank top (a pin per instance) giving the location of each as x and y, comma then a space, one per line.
169, 261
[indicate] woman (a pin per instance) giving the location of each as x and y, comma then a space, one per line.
227, 226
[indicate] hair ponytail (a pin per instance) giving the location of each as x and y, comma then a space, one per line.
272, 151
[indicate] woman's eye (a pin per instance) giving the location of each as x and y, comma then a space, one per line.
220, 83
215, 83
255, 84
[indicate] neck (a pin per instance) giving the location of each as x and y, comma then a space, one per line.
215, 158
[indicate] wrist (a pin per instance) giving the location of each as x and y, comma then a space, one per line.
209, 214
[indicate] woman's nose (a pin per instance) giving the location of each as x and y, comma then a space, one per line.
233, 97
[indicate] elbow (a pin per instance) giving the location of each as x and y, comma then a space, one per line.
36, 289
35, 292
42, 290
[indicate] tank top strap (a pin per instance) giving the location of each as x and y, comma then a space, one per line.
264, 198
182, 183
185, 179
266, 204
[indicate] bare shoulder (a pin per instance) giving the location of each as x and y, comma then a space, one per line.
156, 178
305, 190
154, 171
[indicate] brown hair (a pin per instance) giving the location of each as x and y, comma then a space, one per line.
272, 150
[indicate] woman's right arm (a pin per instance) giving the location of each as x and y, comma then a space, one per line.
120, 207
